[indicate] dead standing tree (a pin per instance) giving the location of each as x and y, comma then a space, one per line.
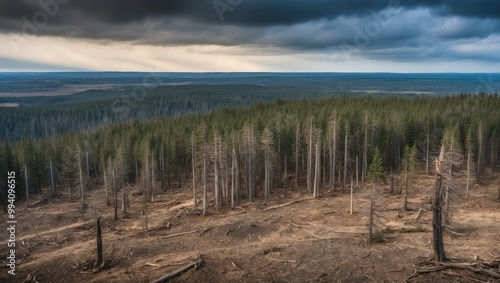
332, 149
268, 150
447, 170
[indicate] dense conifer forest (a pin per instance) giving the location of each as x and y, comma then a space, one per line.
244, 153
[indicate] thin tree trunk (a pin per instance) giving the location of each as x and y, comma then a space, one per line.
124, 201
345, 156
237, 178
392, 182
285, 172
468, 168
148, 191
266, 171
162, 170
99, 242
114, 195
352, 197
427, 153
26, 183
309, 157
153, 178
479, 170
216, 174
81, 184
365, 153
317, 169
136, 169
334, 154
405, 196
372, 212
233, 177
357, 169
193, 161
87, 161
106, 185
204, 177
52, 181
437, 228
297, 155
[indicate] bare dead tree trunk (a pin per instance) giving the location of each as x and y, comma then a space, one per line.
285, 172
297, 156
204, 180
87, 163
124, 201
309, 157
437, 228
105, 184
152, 195
468, 168
145, 213
333, 154
99, 242
216, 173
392, 182
26, 183
148, 191
237, 177
81, 183
405, 195
193, 161
162, 158
317, 169
352, 198
357, 169
114, 194
136, 169
345, 156
233, 177
480, 161
365, 152
52, 181
427, 153
323, 166
372, 214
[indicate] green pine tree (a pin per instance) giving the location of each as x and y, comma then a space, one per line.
376, 169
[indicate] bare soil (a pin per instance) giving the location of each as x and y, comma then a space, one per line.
309, 240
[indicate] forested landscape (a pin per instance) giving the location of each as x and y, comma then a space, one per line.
231, 147
340, 133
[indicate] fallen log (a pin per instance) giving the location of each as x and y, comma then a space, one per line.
180, 234
281, 205
169, 276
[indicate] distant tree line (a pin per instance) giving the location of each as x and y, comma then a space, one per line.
48, 116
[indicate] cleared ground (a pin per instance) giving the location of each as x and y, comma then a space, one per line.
306, 241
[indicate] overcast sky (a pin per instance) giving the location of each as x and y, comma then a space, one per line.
250, 35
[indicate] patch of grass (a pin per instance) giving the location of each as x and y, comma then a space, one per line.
378, 238
418, 229
388, 230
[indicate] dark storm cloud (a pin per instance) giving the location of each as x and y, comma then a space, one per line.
294, 25
244, 12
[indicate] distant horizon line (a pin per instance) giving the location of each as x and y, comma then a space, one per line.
225, 72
